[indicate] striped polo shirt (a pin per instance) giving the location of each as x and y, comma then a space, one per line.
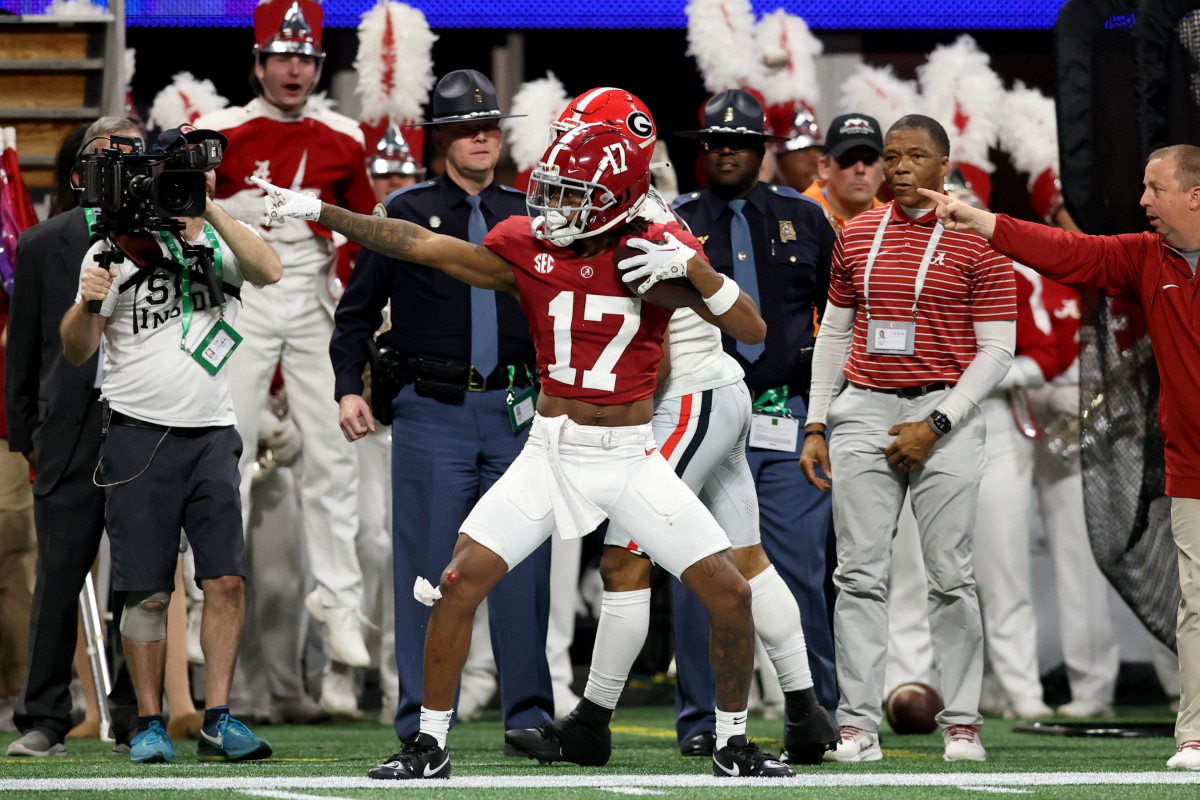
967, 282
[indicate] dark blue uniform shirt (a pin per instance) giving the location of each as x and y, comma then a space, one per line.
793, 246
431, 312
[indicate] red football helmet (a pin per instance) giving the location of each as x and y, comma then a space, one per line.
591, 180
610, 106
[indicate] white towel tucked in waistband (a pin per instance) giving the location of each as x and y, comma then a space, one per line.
574, 515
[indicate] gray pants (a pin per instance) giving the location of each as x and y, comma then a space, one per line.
867, 495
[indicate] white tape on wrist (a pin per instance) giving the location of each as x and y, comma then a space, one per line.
724, 298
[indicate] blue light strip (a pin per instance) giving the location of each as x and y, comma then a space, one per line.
613, 14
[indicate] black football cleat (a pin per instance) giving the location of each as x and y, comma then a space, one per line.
567, 739
701, 744
741, 758
419, 758
809, 731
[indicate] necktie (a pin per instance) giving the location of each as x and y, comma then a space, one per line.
483, 303
744, 271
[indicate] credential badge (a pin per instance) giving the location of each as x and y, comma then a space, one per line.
787, 231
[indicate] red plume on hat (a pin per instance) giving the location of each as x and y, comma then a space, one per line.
963, 93
787, 51
394, 63
288, 26
1029, 133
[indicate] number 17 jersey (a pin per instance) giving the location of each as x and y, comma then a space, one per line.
595, 342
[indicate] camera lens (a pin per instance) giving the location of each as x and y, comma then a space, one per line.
180, 194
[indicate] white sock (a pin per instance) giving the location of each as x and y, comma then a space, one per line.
777, 623
729, 723
620, 634
436, 724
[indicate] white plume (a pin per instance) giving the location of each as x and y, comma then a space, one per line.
721, 38
963, 93
542, 100
879, 93
184, 101
1029, 130
321, 101
394, 63
788, 52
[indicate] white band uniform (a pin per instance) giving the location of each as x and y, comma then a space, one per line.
616, 471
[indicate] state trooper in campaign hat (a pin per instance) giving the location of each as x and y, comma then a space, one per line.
733, 112
465, 95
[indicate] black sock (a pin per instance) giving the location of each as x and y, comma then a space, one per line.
213, 715
798, 703
592, 714
144, 722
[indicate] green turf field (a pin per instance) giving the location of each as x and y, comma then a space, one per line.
331, 761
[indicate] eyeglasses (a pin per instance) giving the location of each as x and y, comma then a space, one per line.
735, 142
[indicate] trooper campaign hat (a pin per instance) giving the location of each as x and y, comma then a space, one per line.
733, 112
465, 95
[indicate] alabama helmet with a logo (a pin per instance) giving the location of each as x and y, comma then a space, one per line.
610, 106
591, 180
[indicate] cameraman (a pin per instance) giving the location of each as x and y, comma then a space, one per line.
170, 453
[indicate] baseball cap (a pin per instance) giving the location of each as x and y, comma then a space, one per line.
853, 130
169, 138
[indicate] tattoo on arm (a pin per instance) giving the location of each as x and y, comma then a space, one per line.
390, 237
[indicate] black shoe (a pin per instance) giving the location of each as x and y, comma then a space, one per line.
741, 758
701, 744
567, 739
420, 757
809, 731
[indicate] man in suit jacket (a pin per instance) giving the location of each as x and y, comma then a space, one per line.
54, 421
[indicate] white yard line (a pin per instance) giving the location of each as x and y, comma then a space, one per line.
278, 795
955, 779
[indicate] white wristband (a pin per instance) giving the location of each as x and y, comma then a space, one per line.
724, 298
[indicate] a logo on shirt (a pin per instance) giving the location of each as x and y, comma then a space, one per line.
939, 259
1069, 310
586, 271
787, 231
543, 263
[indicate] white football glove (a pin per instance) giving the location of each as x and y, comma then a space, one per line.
661, 262
286, 203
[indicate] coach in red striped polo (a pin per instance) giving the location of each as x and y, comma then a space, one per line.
921, 321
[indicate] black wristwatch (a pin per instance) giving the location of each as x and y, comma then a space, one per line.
939, 422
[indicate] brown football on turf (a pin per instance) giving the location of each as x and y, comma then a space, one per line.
913, 708
673, 293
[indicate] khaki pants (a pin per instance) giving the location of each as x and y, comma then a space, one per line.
18, 563
1185, 527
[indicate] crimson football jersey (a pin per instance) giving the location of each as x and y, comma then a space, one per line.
595, 342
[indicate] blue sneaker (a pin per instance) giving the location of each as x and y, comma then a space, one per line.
231, 740
152, 746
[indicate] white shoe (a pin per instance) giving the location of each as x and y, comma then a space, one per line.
343, 630
962, 743
1187, 757
1082, 707
337, 693
856, 744
1030, 709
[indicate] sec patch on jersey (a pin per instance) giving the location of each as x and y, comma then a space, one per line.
670, 293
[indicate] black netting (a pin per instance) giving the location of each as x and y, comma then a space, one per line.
1128, 517
1107, 126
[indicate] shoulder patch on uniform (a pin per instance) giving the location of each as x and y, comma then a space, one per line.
684, 199
787, 191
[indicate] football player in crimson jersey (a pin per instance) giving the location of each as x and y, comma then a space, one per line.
591, 453
701, 422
